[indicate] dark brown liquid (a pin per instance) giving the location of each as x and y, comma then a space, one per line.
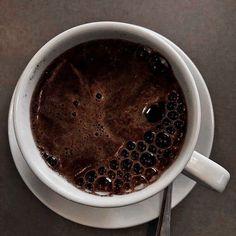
109, 116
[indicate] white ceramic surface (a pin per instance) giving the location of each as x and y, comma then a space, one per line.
129, 215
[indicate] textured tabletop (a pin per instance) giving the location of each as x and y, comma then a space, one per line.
204, 29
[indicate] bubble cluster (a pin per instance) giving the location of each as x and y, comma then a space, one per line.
99, 130
51, 160
141, 162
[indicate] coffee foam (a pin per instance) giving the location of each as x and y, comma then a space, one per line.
89, 103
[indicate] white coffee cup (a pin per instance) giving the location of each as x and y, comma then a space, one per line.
189, 160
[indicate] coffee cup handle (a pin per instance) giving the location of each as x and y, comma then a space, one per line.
206, 171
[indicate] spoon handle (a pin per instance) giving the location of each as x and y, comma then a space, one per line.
163, 226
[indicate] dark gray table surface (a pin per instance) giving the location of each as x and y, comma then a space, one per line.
205, 30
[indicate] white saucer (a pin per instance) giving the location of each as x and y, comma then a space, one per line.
124, 216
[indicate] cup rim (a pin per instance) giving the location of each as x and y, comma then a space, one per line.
81, 196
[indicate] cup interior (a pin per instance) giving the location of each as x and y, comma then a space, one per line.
55, 47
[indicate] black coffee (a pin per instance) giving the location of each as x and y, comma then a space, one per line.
109, 116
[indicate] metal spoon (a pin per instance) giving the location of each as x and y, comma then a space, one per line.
163, 226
